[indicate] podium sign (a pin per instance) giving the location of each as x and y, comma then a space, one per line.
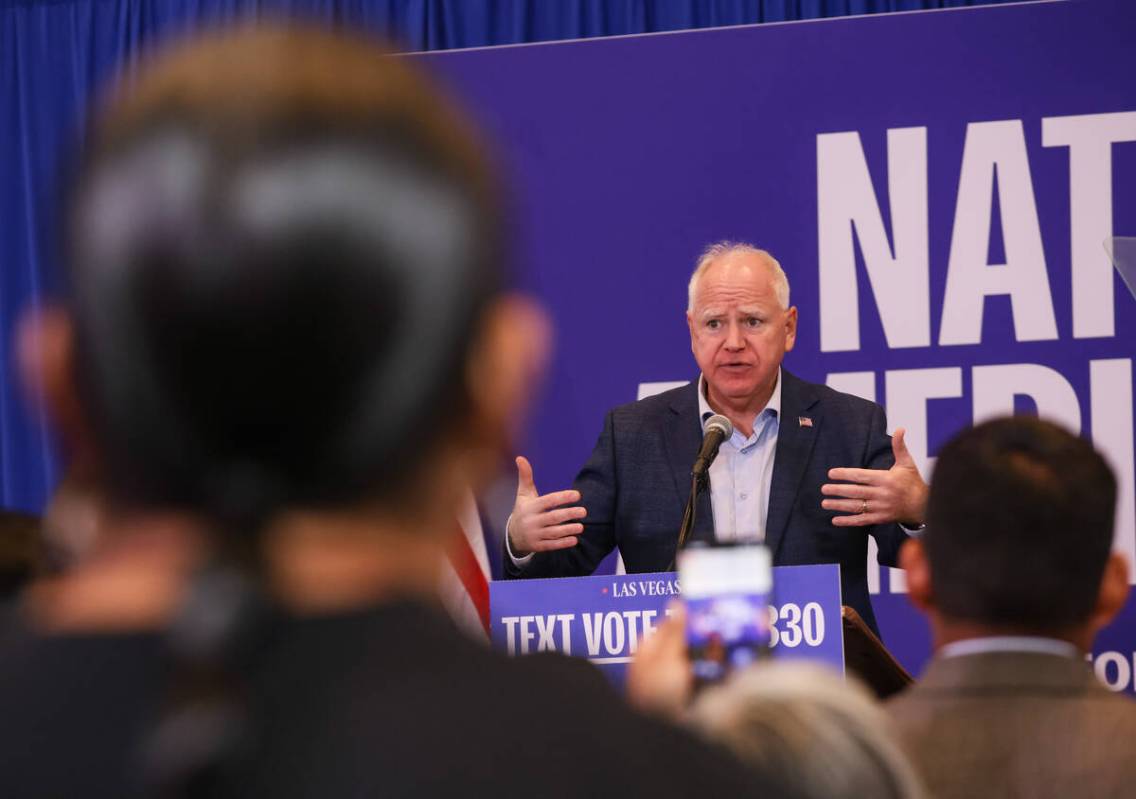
605, 617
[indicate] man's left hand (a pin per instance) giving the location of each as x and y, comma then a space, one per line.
878, 496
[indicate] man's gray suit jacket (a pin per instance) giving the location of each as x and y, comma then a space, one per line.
1017, 724
637, 481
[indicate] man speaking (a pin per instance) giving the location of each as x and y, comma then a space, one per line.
770, 480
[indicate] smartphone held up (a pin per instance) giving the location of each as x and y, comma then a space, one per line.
727, 592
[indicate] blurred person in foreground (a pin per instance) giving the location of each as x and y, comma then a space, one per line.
288, 353
800, 719
1016, 576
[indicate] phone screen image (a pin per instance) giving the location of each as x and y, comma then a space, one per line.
726, 591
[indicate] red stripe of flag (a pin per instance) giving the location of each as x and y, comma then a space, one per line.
472, 577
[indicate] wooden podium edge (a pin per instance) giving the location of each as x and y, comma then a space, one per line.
866, 656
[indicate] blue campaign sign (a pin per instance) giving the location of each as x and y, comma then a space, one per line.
605, 617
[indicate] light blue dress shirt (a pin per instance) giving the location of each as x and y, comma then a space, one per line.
742, 473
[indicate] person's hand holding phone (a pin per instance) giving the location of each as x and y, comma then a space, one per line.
660, 679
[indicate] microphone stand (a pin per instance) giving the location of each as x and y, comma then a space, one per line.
698, 483
718, 428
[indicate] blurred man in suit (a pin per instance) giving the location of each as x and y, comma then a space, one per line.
288, 353
769, 482
1016, 576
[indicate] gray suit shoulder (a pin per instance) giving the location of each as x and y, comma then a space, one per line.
830, 394
658, 404
838, 403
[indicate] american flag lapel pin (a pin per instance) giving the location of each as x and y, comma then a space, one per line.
804, 421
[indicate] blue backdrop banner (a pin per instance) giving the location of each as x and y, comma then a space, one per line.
937, 185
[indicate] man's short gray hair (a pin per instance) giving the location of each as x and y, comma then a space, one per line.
826, 735
724, 248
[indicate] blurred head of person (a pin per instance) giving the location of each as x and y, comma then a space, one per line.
801, 720
287, 310
1019, 536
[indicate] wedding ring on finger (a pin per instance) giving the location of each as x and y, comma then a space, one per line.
863, 506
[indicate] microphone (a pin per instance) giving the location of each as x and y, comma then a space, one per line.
716, 430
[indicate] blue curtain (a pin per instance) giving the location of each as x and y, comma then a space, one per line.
54, 53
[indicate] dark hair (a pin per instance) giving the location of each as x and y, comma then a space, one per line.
1019, 525
282, 243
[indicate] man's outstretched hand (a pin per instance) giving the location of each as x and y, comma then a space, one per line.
542, 523
897, 494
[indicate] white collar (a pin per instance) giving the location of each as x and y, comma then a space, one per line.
705, 411
1009, 643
